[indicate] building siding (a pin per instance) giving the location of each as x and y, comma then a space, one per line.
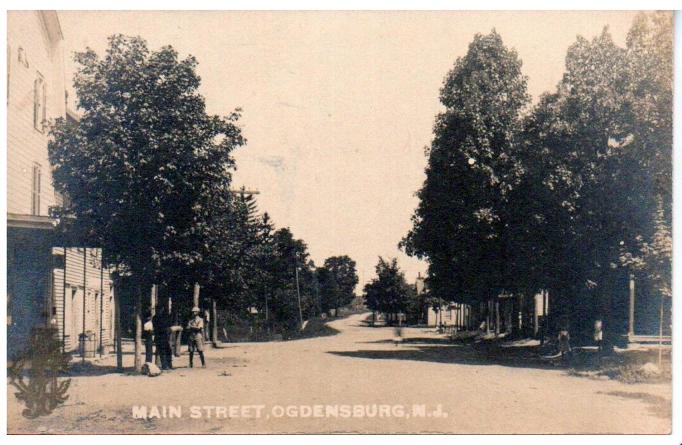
98, 297
26, 145
31, 49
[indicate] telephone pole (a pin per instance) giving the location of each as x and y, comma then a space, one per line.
298, 291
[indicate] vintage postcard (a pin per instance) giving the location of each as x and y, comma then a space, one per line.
371, 222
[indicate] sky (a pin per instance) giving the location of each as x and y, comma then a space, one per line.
338, 106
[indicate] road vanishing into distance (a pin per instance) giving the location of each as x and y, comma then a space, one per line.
357, 380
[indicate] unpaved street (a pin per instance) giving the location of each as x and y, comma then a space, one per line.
358, 366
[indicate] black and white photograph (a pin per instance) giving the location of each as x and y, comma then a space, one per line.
339, 222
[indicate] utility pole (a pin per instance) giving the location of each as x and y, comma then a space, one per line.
298, 291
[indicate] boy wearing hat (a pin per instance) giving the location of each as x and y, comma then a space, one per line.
195, 342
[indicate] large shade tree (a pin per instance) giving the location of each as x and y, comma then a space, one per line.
461, 223
572, 197
145, 164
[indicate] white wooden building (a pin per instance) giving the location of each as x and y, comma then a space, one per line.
39, 293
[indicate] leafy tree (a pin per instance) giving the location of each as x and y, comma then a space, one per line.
145, 164
460, 224
650, 91
570, 197
329, 289
237, 250
599, 169
282, 286
417, 306
388, 293
338, 279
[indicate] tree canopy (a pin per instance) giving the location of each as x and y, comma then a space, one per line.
570, 195
145, 165
388, 293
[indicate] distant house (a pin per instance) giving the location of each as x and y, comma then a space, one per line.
47, 283
452, 315
503, 314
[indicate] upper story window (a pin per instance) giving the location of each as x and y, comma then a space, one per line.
35, 189
39, 103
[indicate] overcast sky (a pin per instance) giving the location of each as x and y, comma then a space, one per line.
338, 106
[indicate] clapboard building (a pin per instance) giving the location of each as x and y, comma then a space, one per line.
47, 283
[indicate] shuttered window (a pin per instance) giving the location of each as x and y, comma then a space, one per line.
35, 190
39, 106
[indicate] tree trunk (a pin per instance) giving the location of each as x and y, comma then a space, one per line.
214, 322
497, 318
195, 295
117, 329
138, 329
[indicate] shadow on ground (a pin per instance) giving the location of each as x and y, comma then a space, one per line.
414, 340
89, 369
318, 327
433, 350
656, 405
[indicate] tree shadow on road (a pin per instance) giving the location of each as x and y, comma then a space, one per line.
415, 340
89, 369
656, 405
461, 354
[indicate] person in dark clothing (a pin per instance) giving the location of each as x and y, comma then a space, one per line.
195, 340
162, 337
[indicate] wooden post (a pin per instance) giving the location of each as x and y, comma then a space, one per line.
631, 318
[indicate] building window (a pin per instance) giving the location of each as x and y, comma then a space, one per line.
35, 190
39, 105
58, 260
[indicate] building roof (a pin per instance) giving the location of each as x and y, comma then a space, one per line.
51, 22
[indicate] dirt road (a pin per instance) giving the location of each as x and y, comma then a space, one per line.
355, 381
